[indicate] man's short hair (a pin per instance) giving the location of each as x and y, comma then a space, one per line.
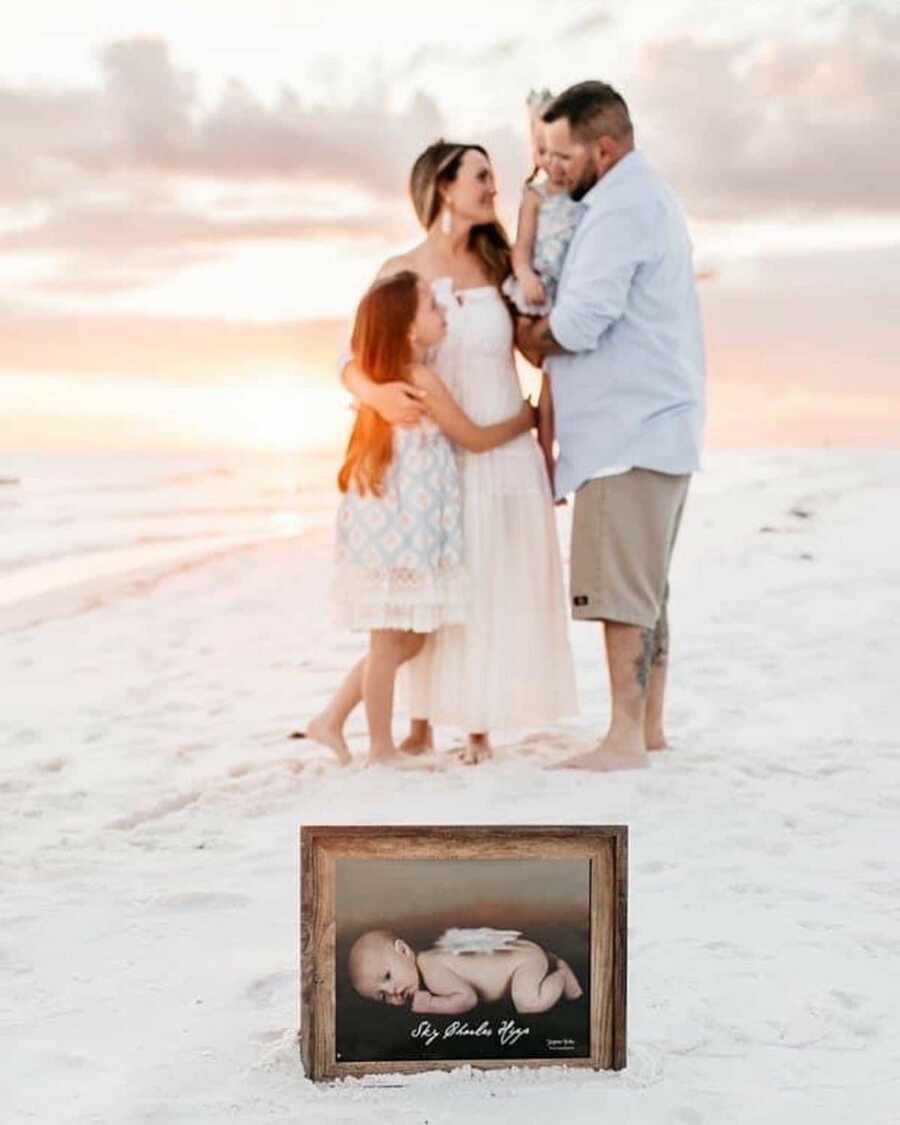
593, 110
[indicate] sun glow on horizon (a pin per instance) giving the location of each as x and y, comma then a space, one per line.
275, 413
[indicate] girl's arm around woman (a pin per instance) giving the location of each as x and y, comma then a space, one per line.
458, 426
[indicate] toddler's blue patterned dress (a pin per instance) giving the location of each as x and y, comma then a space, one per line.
558, 216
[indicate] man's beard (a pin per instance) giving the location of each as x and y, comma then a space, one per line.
584, 185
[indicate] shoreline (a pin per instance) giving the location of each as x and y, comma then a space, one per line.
75, 596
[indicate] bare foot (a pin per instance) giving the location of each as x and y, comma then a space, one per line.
621, 753
397, 761
320, 730
572, 990
476, 750
604, 761
656, 740
417, 742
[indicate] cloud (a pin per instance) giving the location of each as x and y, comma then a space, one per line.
99, 229
496, 53
750, 127
807, 322
102, 178
432, 55
122, 182
584, 26
36, 131
147, 116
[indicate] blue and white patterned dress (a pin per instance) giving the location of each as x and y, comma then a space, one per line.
399, 556
558, 216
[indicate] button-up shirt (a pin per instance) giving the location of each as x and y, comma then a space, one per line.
630, 390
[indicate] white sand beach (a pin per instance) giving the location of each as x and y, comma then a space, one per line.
150, 803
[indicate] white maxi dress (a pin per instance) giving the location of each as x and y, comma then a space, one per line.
510, 664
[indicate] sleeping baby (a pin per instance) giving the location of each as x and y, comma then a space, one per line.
465, 967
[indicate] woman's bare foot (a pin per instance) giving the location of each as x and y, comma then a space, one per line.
420, 739
656, 740
476, 750
391, 756
321, 730
572, 990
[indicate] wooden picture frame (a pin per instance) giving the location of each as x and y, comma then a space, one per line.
567, 884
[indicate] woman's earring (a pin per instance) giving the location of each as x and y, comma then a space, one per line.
446, 220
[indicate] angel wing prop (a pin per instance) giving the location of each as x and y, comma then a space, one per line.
482, 939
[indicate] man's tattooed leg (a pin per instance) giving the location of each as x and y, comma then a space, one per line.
644, 661
661, 639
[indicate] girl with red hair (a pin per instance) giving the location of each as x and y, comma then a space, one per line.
399, 572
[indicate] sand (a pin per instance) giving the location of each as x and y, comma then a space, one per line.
150, 802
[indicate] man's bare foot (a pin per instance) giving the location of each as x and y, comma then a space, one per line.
320, 730
476, 750
420, 740
572, 990
656, 740
621, 753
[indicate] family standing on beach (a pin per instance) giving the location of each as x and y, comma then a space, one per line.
447, 551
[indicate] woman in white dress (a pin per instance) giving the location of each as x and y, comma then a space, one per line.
510, 664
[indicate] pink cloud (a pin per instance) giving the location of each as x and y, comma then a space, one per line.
776, 127
147, 115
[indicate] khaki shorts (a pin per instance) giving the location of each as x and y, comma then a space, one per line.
623, 532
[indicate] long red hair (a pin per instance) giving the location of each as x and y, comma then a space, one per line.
382, 348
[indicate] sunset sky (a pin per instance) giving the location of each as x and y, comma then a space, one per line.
193, 196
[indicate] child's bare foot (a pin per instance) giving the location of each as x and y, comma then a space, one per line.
477, 750
572, 990
321, 730
420, 739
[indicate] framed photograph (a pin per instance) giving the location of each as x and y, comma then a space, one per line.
427, 948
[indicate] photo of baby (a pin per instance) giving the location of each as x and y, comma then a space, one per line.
462, 959
462, 969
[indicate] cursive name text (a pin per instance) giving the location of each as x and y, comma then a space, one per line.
508, 1033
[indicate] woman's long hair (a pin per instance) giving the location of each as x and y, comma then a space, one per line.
438, 165
382, 348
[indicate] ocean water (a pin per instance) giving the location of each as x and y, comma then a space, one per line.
69, 518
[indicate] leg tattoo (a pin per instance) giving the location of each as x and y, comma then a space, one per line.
645, 659
661, 640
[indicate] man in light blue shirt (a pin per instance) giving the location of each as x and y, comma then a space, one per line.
624, 347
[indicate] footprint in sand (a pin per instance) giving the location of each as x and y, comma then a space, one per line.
849, 1001
264, 991
879, 943
201, 900
655, 867
157, 811
67, 1060
242, 769
189, 748
16, 785
748, 888
802, 1029
265, 1038
52, 765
